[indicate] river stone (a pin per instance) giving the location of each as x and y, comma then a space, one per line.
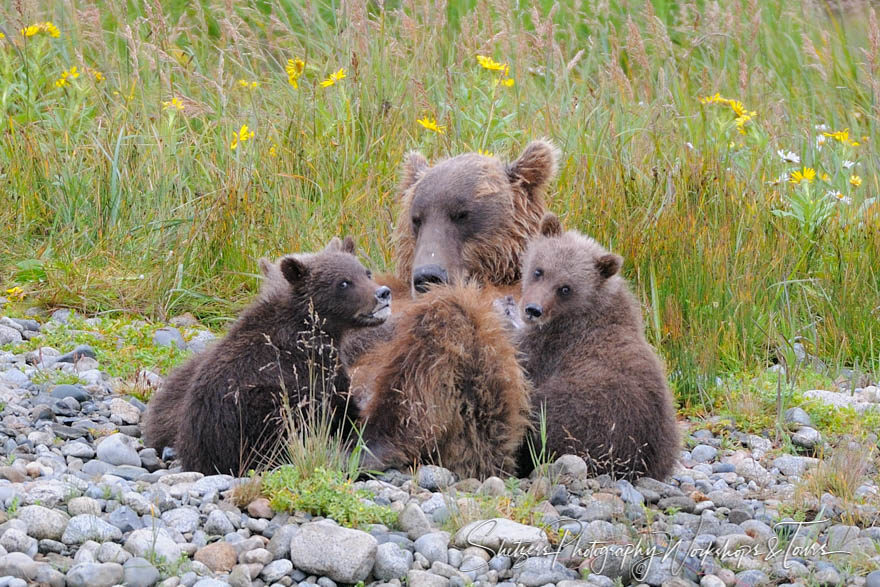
493, 533
342, 554
537, 571
119, 449
146, 541
42, 522
416, 578
95, 575
140, 573
88, 527
392, 562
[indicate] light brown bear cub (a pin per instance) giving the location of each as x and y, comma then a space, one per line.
601, 386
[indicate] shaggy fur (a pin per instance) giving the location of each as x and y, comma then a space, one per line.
449, 388
440, 382
281, 348
601, 385
163, 415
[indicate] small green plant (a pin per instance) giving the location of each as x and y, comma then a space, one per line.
12, 510
323, 493
539, 455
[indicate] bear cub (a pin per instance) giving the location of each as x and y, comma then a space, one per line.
280, 350
600, 385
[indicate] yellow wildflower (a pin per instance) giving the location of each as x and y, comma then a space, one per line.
294, 69
855, 180
2, 36
486, 153
50, 29
99, 77
741, 122
808, 174
273, 150
71, 73
30, 31
241, 136
824, 176
175, 103
506, 81
334, 77
431, 124
841, 136
492, 65
15, 293
248, 85
716, 99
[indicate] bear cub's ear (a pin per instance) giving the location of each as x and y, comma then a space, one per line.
348, 245
293, 269
609, 264
414, 167
550, 225
267, 267
537, 164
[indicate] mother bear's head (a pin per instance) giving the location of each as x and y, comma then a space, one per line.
470, 216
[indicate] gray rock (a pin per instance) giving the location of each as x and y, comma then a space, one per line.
88, 527
43, 523
571, 465
416, 578
182, 519
392, 562
95, 575
80, 352
147, 541
630, 494
201, 341
433, 546
703, 453
538, 571
793, 466
77, 392
14, 540
873, 579
112, 552
209, 583
679, 502
140, 573
274, 571
493, 533
413, 521
218, 524
798, 417
169, 336
806, 437
17, 564
125, 519
434, 478
279, 544
119, 449
9, 335
752, 578
342, 554
79, 450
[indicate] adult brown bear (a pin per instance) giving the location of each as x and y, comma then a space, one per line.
441, 381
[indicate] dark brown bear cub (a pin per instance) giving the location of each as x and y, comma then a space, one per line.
283, 344
601, 386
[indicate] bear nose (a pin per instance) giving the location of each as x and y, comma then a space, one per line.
383, 294
428, 274
534, 311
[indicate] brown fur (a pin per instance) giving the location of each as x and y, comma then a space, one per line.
449, 387
282, 345
602, 387
163, 415
441, 383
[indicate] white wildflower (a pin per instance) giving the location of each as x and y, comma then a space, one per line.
788, 157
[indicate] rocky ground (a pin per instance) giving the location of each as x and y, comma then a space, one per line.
85, 504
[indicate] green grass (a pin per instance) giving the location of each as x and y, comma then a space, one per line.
114, 203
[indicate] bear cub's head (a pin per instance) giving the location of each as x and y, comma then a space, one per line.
566, 274
341, 290
470, 216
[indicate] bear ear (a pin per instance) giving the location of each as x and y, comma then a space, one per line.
293, 269
334, 246
266, 267
550, 225
609, 264
414, 166
536, 166
348, 245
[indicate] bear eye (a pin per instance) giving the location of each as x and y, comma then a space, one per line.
369, 274
564, 290
460, 216
345, 284
538, 273
416, 222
